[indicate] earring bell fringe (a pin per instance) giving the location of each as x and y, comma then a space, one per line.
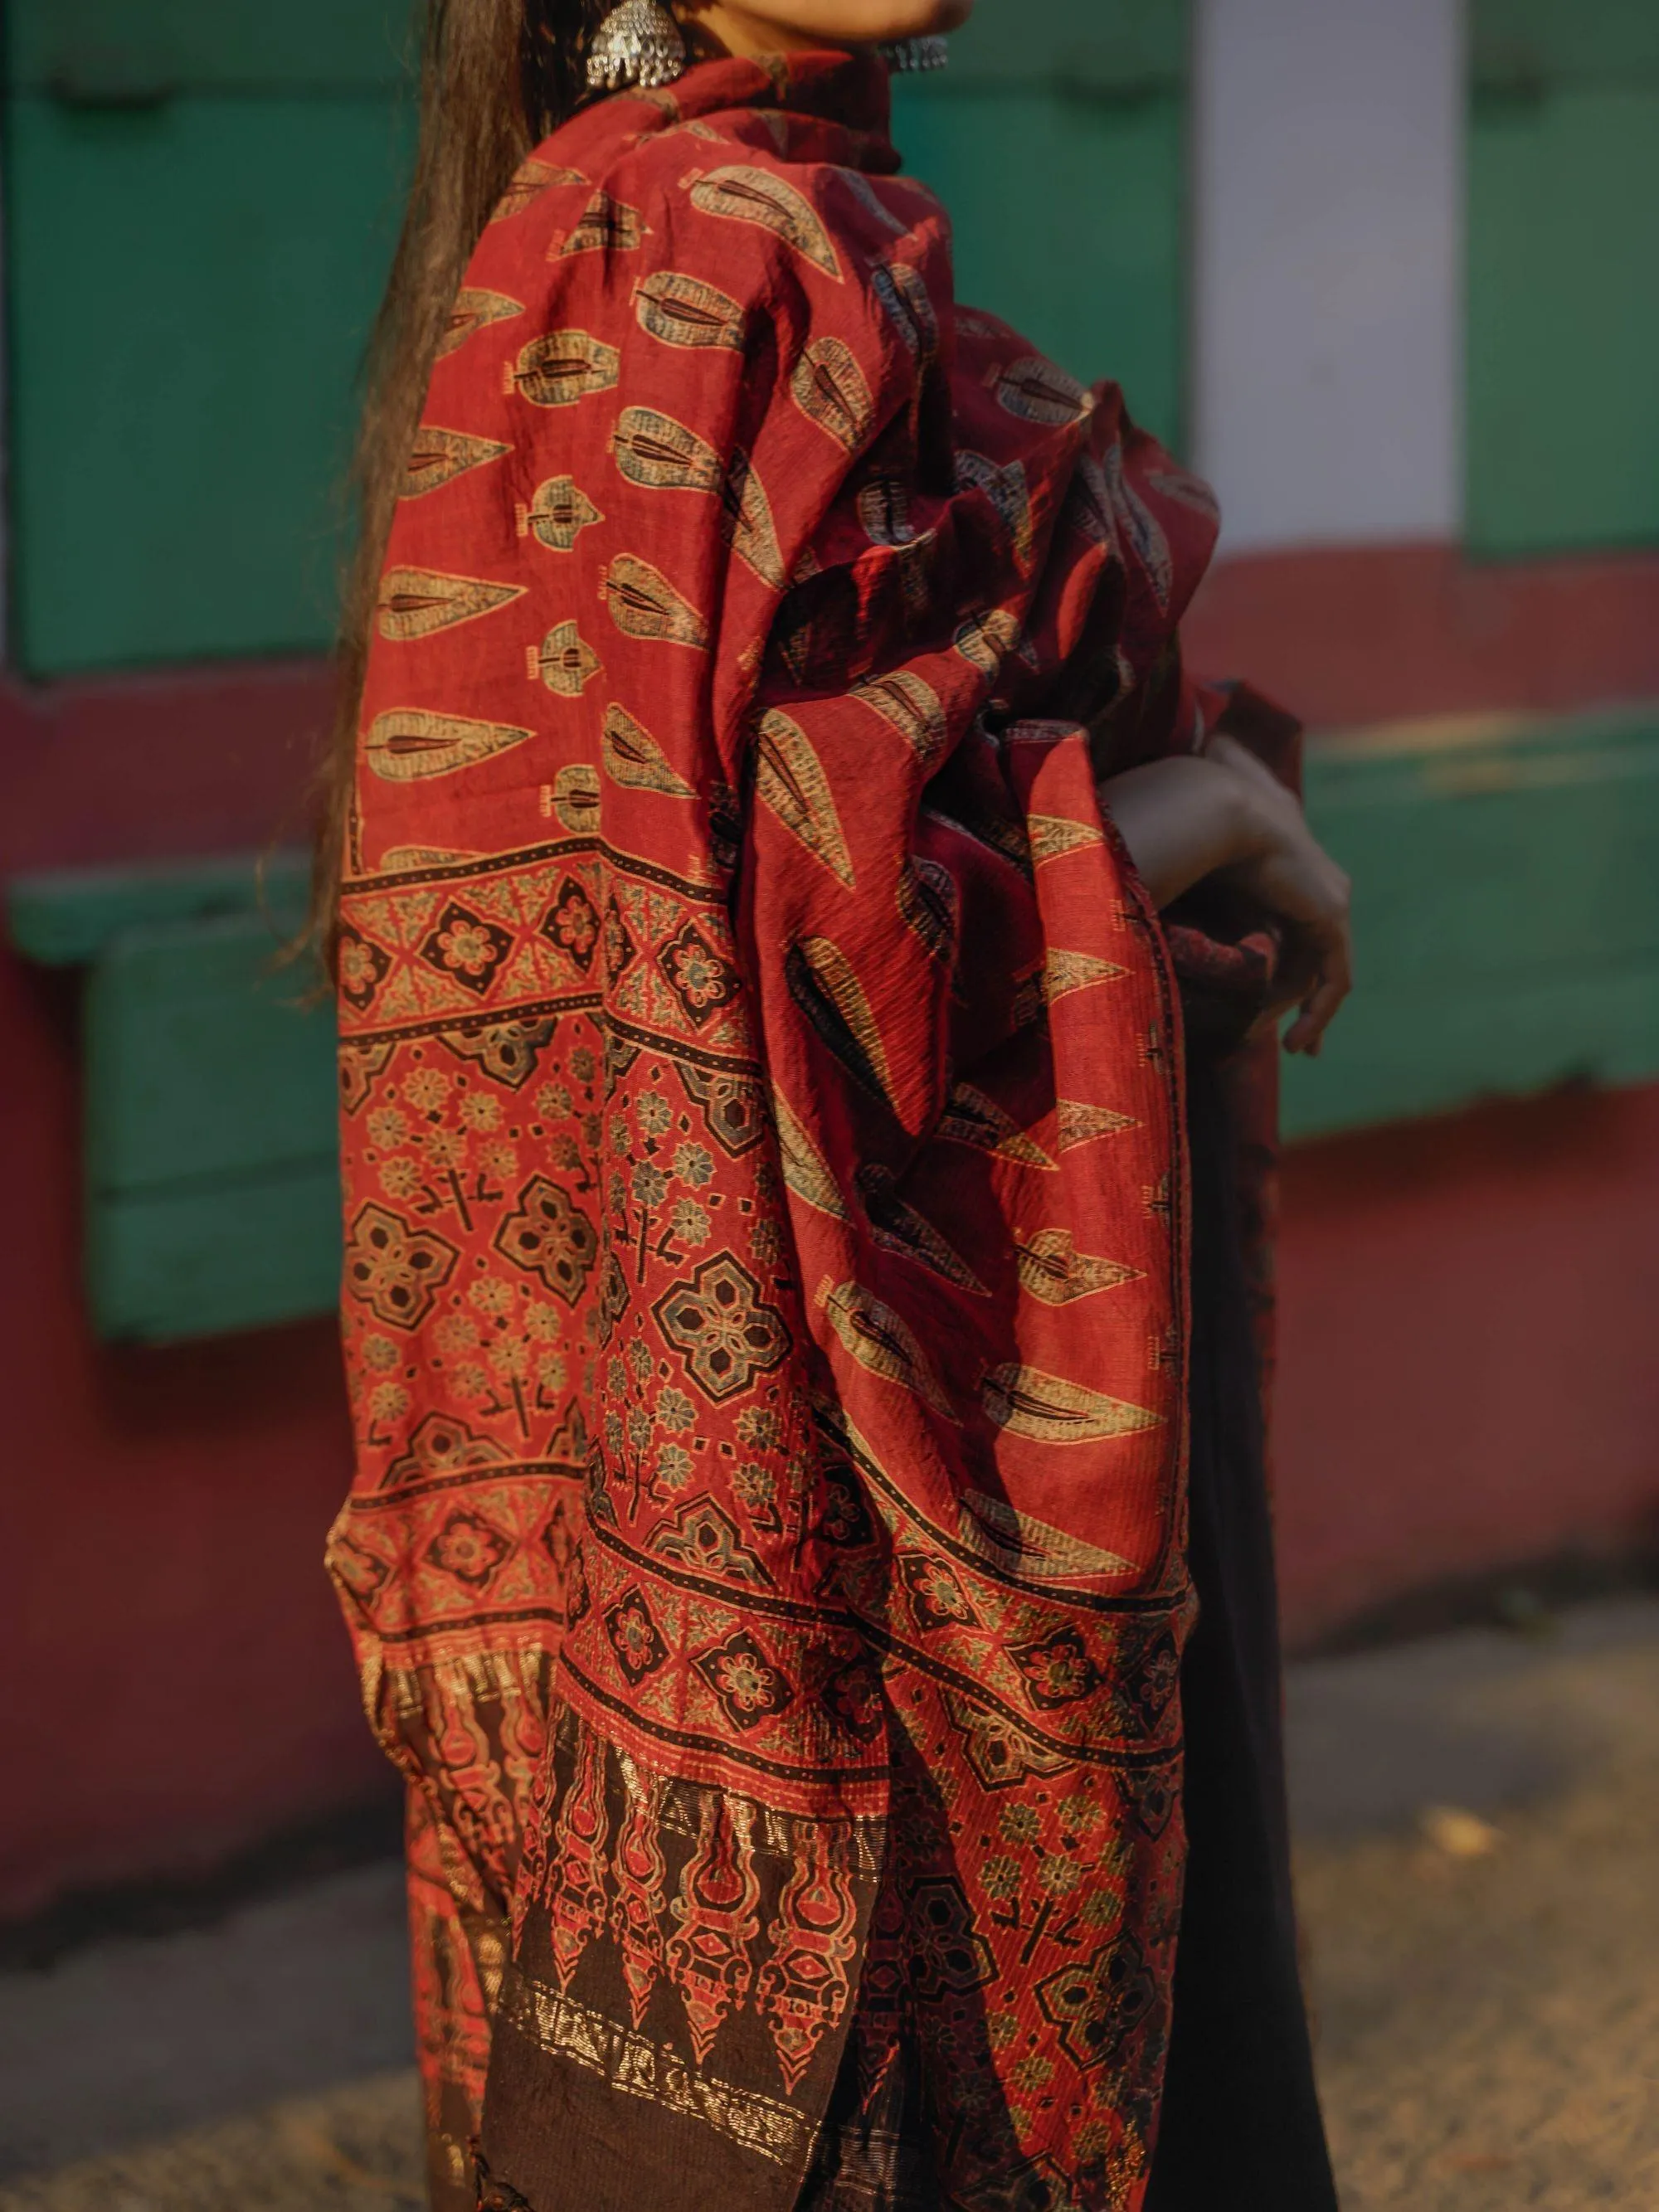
907, 56
639, 44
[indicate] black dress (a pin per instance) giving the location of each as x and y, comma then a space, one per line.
1241, 2129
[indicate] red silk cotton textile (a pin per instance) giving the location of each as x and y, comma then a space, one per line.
765, 1271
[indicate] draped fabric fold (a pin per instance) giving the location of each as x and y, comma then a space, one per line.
765, 1284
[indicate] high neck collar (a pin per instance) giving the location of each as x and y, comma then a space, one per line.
846, 93
852, 88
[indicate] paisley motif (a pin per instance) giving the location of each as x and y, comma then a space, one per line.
563, 367
438, 457
1053, 1269
604, 226
558, 514
475, 309
644, 604
684, 311
415, 602
654, 450
1048, 1409
404, 744
789, 779
830, 389
908, 703
634, 759
564, 661
874, 1335
760, 196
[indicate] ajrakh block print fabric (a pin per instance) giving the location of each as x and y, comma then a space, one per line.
764, 1280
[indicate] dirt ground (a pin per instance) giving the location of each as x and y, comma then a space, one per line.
1480, 1879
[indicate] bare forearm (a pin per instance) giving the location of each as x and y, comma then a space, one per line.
1182, 819
1186, 819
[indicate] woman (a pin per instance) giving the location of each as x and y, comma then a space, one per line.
769, 1265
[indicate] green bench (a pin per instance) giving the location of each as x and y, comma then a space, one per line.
212, 1193
1506, 917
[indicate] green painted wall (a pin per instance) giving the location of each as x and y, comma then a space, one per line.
1057, 138
200, 203
201, 197
1506, 915
1564, 275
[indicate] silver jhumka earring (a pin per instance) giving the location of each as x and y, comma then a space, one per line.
639, 43
908, 55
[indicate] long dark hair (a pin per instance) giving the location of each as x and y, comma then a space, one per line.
496, 75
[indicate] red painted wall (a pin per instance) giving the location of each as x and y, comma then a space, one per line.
1348, 634
179, 1684
1466, 1374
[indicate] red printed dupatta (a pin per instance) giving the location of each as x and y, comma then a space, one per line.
765, 1271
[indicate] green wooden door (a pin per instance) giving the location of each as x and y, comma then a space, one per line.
1057, 139
1564, 275
200, 200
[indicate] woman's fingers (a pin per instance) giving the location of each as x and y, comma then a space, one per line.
1333, 982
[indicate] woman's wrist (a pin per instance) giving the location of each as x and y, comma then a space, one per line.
1182, 819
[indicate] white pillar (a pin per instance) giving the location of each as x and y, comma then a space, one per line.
1329, 290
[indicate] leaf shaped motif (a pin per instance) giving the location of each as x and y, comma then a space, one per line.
474, 310
929, 904
830, 389
884, 508
1052, 1269
684, 311
998, 832
904, 293
824, 985
438, 457
1080, 1124
558, 369
654, 450
790, 778
1187, 490
559, 513
528, 182
875, 1336
1066, 972
740, 194
985, 641
1054, 835
1019, 1544
604, 226
1006, 489
564, 661
644, 604
804, 1167
897, 1227
405, 744
404, 860
749, 523
1145, 533
871, 201
972, 1118
910, 707
415, 602
633, 758
1048, 1409
1037, 391
576, 799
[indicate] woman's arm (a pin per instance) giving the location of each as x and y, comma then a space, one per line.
1188, 818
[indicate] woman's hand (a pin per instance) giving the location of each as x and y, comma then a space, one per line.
1188, 818
1293, 877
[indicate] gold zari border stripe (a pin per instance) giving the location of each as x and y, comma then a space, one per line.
635, 2066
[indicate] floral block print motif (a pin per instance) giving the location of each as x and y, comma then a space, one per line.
764, 1293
